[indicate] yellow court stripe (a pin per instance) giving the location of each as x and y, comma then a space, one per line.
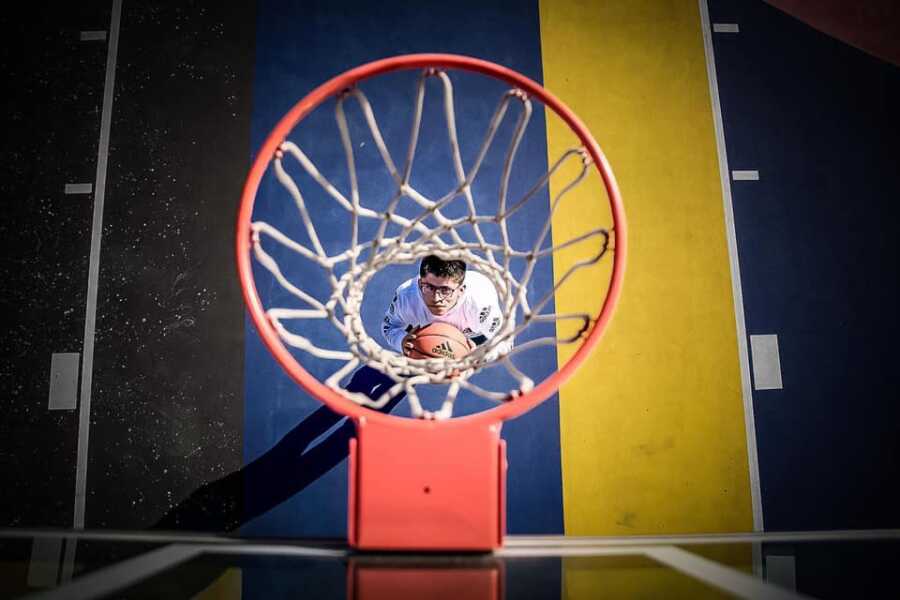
652, 426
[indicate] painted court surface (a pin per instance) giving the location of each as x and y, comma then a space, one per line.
744, 385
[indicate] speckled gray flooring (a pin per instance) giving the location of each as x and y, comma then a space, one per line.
167, 393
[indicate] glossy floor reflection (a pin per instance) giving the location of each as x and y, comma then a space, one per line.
103, 565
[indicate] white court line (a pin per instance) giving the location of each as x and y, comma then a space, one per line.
736, 290
751, 175
726, 28
90, 321
842, 535
278, 550
92, 36
68, 566
782, 570
563, 551
63, 381
43, 566
78, 188
766, 362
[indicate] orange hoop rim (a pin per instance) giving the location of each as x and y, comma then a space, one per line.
335, 86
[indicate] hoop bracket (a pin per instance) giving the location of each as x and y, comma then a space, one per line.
427, 488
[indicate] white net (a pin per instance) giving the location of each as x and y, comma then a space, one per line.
405, 236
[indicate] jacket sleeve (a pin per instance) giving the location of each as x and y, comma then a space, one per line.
393, 327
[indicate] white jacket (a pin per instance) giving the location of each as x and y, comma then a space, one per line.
476, 313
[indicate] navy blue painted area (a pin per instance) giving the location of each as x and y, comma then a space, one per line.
818, 256
297, 49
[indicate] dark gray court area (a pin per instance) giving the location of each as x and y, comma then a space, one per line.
135, 275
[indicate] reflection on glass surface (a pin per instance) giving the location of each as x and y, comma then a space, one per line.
379, 576
826, 569
32, 563
571, 569
14, 563
629, 577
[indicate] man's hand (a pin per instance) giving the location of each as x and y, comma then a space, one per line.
407, 344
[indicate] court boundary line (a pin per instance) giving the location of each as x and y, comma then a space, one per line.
90, 319
843, 535
736, 285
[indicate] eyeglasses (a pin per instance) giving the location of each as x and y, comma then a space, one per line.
443, 291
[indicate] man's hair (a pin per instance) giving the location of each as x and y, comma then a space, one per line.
454, 269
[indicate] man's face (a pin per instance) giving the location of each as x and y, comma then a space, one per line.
440, 293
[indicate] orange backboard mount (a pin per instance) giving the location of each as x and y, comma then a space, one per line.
439, 487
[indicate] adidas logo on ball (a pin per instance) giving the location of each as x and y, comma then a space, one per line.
443, 349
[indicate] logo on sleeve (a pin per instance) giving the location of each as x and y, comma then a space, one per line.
494, 325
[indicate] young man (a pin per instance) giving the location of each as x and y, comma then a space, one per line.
443, 292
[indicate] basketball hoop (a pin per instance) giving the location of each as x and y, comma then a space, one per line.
387, 486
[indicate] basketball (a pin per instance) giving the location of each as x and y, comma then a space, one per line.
439, 340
